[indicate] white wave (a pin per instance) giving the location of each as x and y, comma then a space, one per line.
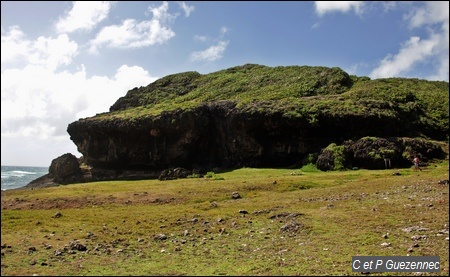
22, 172
16, 173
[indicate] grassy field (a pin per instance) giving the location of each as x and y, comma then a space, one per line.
242, 222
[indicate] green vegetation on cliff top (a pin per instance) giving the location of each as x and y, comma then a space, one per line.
295, 91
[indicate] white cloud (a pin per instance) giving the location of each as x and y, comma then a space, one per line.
433, 12
431, 16
389, 5
13, 46
134, 34
37, 105
52, 53
39, 100
213, 53
84, 15
101, 92
187, 9
32, 99
412, 51
434, 49
323, 7
46, 101
47, 52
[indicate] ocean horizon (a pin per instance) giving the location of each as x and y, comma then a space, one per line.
19, 176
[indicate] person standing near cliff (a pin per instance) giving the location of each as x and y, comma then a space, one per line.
416, 161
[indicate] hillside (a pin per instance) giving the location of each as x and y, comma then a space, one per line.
260, 116
296, 91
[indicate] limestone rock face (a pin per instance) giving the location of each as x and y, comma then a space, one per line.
212, 135
218, 135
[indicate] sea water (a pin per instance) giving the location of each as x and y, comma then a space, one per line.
19, 176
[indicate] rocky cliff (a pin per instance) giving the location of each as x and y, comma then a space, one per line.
258, 116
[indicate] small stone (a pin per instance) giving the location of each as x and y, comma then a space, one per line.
235, 195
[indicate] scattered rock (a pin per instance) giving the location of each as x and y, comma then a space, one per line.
57, 215
235, 195
285, 214
174, 173
418, 237
76, 245
414, 228
160, 237
291, 227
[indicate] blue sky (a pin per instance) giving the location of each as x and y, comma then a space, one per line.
61, 61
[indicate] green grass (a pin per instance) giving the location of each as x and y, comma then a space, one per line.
298, 222
297, 91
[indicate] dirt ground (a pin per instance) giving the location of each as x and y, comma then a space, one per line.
81, 202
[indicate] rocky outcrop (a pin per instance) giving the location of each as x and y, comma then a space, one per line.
174, 173
378, 153
66, 169
63, 170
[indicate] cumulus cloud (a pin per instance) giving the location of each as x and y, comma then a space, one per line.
433, 12
37, 105
213, 53
434, 49
14, 46
52, 53
101, 92
84, 15
39, 100
134, 34
411, 52
48, 52
323, 7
